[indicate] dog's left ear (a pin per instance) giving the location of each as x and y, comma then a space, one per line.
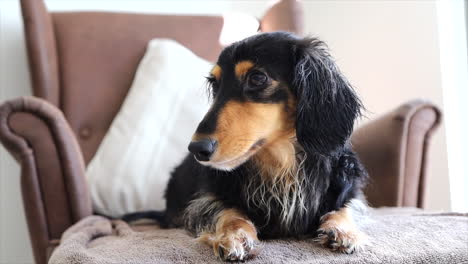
327, 105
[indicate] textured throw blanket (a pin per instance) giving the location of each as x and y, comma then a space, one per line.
395, 236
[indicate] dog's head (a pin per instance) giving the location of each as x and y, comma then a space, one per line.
273, 88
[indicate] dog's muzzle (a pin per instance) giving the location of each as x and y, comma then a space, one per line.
203, 149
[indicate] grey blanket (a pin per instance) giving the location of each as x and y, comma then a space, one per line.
395, 236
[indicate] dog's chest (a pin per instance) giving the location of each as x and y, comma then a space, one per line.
280, 208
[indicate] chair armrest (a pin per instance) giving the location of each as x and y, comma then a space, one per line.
394, 150
53, 183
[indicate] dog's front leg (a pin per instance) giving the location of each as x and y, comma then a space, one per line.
227, 230
234, 237
338, 229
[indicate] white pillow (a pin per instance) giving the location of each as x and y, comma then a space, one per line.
149, 136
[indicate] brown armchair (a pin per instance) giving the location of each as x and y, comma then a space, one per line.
82, 64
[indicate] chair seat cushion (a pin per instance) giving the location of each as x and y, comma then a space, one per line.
395, 236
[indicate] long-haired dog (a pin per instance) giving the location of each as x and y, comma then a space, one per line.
272, 157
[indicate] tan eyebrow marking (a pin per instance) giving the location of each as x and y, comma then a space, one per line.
216, 72
242, 68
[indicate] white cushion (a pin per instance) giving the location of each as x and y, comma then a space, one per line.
149, 136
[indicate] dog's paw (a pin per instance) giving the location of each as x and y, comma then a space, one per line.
235, 237
236, 245
339, 240
339, 234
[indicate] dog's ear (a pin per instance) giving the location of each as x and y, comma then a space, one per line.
327, 105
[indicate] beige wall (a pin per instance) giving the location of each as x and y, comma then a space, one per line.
388, 49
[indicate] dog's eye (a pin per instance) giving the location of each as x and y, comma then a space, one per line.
257, 79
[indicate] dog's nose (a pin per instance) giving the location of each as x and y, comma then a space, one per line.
203, 149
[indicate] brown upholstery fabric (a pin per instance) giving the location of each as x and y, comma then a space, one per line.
98, 57
42, 51
394, 150
53, 184
286, 15
50, 179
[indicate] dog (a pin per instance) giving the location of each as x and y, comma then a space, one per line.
272, 156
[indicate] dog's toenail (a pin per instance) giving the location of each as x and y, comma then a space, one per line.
221, 252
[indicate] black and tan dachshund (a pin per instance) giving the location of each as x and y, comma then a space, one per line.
272, 157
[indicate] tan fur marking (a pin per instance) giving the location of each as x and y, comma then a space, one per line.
339, 232
216, 72
231, 220
242, 124
340, 218
280, 169
278, 156
242, 68
271, 88
197, 137
234, 238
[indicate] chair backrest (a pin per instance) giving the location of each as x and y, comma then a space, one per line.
84, 62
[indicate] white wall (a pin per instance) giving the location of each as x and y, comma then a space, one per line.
388, 49
454, 65
14, 82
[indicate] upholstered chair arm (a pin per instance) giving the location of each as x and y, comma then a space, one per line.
53, 183
394, 149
